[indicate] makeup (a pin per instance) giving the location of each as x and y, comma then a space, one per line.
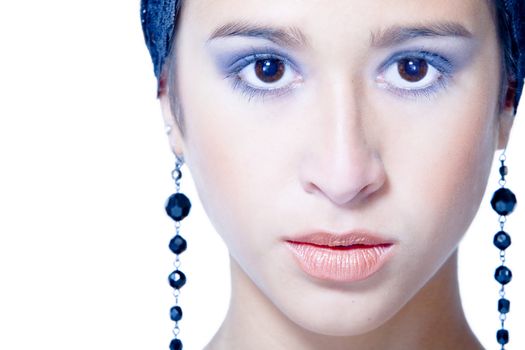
346, 258
236, 57
237, 65
439, 73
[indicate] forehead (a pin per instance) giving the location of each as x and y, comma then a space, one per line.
340, 17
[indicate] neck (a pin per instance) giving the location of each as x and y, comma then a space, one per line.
433, 319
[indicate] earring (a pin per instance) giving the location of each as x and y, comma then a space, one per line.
177, 207
503, 202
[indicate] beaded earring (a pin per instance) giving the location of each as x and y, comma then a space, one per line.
503, 202
177, 207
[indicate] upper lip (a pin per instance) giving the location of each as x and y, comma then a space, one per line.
362, 237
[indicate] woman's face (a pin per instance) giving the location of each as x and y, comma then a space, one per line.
304, 116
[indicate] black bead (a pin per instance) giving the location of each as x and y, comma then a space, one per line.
176, 344
176, 313
503, 201
502, 240
178, 206
503, 275
178, 244
503, 170
177, 279
503, 305
503, 336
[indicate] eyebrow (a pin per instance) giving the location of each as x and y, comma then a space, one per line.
398, 34
286, 36
294, 37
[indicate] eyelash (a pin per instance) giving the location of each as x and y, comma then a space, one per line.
440, 63
252, 92
443, 65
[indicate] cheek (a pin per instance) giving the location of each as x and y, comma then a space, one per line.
464, 157
443, 167
235, 153
227, 162
440, 172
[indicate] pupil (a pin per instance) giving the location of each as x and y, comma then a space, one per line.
270, 67
412, 69
269, 70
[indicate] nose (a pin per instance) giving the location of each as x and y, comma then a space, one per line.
340, 163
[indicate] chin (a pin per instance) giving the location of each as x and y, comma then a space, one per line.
342, 317
342, 326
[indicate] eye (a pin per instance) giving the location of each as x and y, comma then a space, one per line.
412, 69
411, 73
417, 73
268, 73
269, 70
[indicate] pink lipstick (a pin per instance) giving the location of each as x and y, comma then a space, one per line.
347, 257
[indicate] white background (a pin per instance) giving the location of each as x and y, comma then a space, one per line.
84, 173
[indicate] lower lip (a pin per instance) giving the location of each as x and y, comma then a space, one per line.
340, 264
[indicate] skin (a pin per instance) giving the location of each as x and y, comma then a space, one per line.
339, 151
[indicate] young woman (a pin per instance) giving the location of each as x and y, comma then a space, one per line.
341, 149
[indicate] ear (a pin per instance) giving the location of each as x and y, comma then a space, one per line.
506, 116
170, 117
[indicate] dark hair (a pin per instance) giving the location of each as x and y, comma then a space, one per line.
510, 22
159, 21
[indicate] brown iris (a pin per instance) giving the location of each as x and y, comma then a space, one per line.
269, 70
412, 69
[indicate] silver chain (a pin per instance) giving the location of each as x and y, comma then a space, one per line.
502, 220
176, 175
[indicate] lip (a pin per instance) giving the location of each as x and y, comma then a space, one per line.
347, 257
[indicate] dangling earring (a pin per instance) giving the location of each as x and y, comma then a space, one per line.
503, 202
177, 207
